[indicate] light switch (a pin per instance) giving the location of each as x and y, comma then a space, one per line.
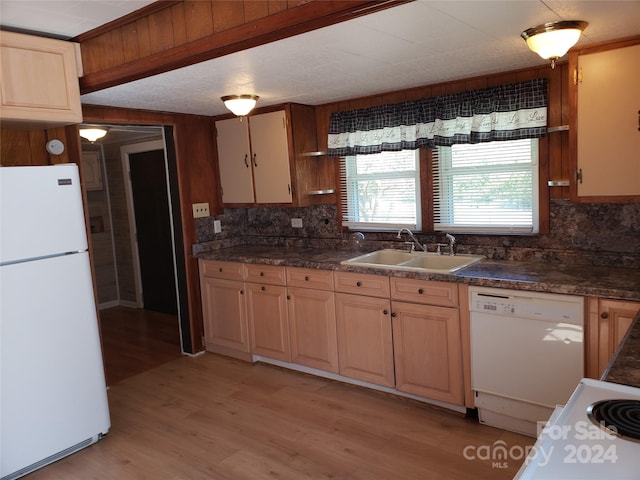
217, 226
200, 210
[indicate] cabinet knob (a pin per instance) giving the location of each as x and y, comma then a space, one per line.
241, 292
385, 311
306, 279
263, 288
220, 269
421, 291
262, 274
255, 162
604, 315
393, 315
246, 164
358, 284
288, 297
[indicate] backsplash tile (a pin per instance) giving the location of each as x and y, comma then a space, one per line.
588, 234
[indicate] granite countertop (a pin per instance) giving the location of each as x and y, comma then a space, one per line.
624, 366
601, 281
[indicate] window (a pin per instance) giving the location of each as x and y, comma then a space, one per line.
381, 191
487, 187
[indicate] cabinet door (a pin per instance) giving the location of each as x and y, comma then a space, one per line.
234, 160
225, 316
365, 346
268, 325
428, 351
609, 321
312, 328
270, 157
607, 116
39, 78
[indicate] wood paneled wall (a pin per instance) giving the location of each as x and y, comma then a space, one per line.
173, 34
558, 112
28, 147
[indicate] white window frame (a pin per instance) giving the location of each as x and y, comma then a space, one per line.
348, 202
443, 209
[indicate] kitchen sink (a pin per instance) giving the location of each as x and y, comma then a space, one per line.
415, 261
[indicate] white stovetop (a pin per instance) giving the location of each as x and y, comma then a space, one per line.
572, 447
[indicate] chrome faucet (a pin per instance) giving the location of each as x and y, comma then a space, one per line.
451, 245
413, 238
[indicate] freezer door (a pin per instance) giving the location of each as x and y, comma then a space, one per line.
52, 385
40, 212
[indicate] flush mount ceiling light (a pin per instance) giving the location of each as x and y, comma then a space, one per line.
93, 133
552, 40
240, 105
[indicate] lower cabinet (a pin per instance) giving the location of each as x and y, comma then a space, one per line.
365, 346
268, 323
428, 351
397, 333
607, 323
224, 309
312, 328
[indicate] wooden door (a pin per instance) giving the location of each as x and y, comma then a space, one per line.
153, 228
234, 160
428, 351
268, 325
365, 347
312, 328
270, 156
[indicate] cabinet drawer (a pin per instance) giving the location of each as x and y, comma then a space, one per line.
269, 274
424, 291
217, 269
310, 278
362, 284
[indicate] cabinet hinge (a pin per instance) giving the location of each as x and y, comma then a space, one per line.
577, 76
578, 176
289, 187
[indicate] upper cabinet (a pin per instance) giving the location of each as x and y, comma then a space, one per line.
38, 81
605, 105
263, 158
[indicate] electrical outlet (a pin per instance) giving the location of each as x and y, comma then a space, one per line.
296, 222
200, 210
217, 227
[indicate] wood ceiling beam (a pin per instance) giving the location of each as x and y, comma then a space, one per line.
287, 23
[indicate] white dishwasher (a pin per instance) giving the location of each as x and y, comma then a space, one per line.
527, 355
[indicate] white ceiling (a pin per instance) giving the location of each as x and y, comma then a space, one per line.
420, 43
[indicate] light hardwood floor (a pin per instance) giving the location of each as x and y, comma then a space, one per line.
211, 417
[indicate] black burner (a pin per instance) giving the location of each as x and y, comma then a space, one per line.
620, 417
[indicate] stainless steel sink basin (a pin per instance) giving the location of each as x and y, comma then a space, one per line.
415, 261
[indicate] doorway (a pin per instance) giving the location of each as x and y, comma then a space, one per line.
140, 314
153, 233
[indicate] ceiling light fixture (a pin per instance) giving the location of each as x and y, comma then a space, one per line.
553, 40
240, 105
93, 133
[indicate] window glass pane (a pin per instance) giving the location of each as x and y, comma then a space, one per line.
487, 187
380, 191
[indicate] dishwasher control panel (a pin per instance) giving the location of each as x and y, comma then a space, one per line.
524, 304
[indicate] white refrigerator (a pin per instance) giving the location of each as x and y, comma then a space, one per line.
53, 397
